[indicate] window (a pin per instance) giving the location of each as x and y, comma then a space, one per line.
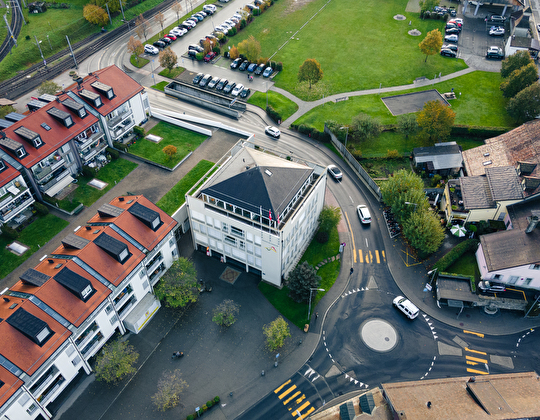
171, 243
113, 320
145, 285
108, 309
225, 227
230, 240
513, 279
76, 361
44, 333
527, 281
87, 290
237, 232
21, 152
123, 255
535, 267
37, 142
31, 409
24, 399
497, 277
70, 350
45, 126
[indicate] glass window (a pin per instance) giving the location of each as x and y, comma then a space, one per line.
249, 236
209, 220
31, 409
535, 267
76, 361
513, 279
527, 281
24, 399
237, 232
108, 309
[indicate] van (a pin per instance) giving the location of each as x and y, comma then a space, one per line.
363, 214
406, 306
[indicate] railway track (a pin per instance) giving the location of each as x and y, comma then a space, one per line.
16, 24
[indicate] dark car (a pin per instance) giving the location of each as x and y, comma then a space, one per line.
236, 63
192, 53
244, 65
222, 83
251, 68
245, 93
450, 47
159, 44
167, 41
450, 31
229, 87
449, 53
198, 78
196, 48
260, 69
495, 18
209, 57
450, 25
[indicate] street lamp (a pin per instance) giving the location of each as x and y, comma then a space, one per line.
311, 289
39, 46
346, 134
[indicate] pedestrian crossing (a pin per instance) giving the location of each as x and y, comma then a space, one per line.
371, 257
294, 400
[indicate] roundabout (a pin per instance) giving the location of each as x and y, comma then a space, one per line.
379, 335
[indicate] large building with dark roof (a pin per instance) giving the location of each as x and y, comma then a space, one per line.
258, 212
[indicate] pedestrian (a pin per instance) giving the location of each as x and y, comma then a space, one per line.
352, 271
316, 315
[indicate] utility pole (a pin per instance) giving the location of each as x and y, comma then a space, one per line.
39, 46
18, 5
50, 45
121, 8
72, 53
9, 29
110, 20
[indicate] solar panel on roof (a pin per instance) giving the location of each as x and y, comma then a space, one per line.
148, 216
34, 277
14, 116
346, 411
366, 403
75, 283
5, 123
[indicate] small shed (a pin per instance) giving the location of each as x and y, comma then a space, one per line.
444, 159
455, 291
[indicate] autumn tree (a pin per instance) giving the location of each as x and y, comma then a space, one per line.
525, 106
519, 79
423, 230
170, 151
168, 59
233, 53
404, 193
169, 388
95, 14
177, 8
160, 18
49, 87
225, 313
115, 361
310, 71
436, 120
276, 332
134, 46
301, 280
141, 27
514, 62
250, 48
432, 43
178, 286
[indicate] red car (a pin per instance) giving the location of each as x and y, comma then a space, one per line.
171, 37
209, 57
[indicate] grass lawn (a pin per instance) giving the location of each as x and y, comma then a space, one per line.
284, 106
173, 74
481, 104
161, 86
173, 199
140, 63
184, 141
354, 50
36, 234
465, 265
383, 168
315, 253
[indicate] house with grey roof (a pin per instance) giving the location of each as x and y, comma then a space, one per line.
258, 211
443, 159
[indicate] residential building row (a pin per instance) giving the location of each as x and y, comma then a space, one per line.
49, 146
97, 283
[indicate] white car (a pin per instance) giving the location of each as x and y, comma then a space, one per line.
406, 306
476, 3
150, 49
237, 89
234, 19
272, 131
457, 20
209, 8
335, 172
230, 23
189, 23
496, 31
178, 31
451, 38
363, 214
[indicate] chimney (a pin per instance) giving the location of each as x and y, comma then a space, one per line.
533, 221
6, 299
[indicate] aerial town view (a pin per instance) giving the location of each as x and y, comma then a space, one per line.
269, 209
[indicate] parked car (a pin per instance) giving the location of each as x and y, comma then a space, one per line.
222, 83
198, 78
150, 49
237, 89
204, 81
451, 25
186, 27
230, 23
211, 38
450, 31
486, 286
166, 40
450, 47
259, 69
451, 38
335, 172
457, 21
495, 52
198, 17
212, 83
209, 8
406, 306
272, 131
251, 68
178, 31
159, 44
448, 53
476, 3
192, 53
203, 13
452, 11
244, 65
193, 21
252, 7
234, 19
209, 57
268, 72
171, 36
236, 63
496, 31
195, 47
495, 18
189, 23
245, 93
229, 87
363, 214
226, 26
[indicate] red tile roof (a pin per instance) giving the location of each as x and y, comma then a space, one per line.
124, 87
53, 139
8, 174
18, 348
11, 385
59, 298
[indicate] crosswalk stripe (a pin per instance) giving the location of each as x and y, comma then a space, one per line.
471, 363
475, 351
299, 400
474, 333
292, 388
303, 406
384, 256
361, 256
476, 359
377, 256
291, 397
279, 389
477, 371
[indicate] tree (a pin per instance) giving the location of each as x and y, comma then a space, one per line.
134, 46
407, 124
301, 280
207, 45
115, 361
514, 62
6, 109
428, 4
525, 106
233, 53
225, 313
178, 286
436, 120
170, 151
329, 218
365, 127
519, 79
276, 332
177, 8
404, 187
250, 48
142, 26
424, 231
160, 18
169, 388
310, 71
168, 59
49, 87
432, 43
95, 14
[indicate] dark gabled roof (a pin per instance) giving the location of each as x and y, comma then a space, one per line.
34, 328
74, 241
504, 183
10, 144
58, 114
108, 210
76, 284
34, 277
148, 216
476, 192
47, 98
455, 287
115, 248
510, 248
26, 133
446, 149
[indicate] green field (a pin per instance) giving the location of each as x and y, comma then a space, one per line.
284, 106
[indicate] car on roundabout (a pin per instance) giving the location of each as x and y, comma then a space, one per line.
272, 131
406, 306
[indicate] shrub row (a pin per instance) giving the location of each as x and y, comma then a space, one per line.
456, 252
204, 408
114, 153
476, 131
272, 113
311, 132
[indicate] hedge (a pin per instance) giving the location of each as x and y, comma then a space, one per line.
311, 132
456, 252
476, 131
272, 113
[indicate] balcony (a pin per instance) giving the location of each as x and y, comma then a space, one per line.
41, 173
92, 152
88, 141
57, 164
122, 115
49, 184
120, 131
159, 270
12, 208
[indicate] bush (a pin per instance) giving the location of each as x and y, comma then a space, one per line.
272, 113
217, 50
114, 153
139, 131
41, 209
216, 399
121, 146
9, 233
322, 237
88, 172
199, 56
190, 417
279, 66
256, 12
204, 408
243, 24
232, 32
209, 403
456, 252
392, 154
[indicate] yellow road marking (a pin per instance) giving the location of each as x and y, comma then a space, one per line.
292, 396
469, 363
377, 257
474, 333
292, 388
475, 351
361, 256
367, 257
299, 400
311, 410
370, 257
384, 256
303, 406
279, 389
352, 236
476, 359
477, 371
